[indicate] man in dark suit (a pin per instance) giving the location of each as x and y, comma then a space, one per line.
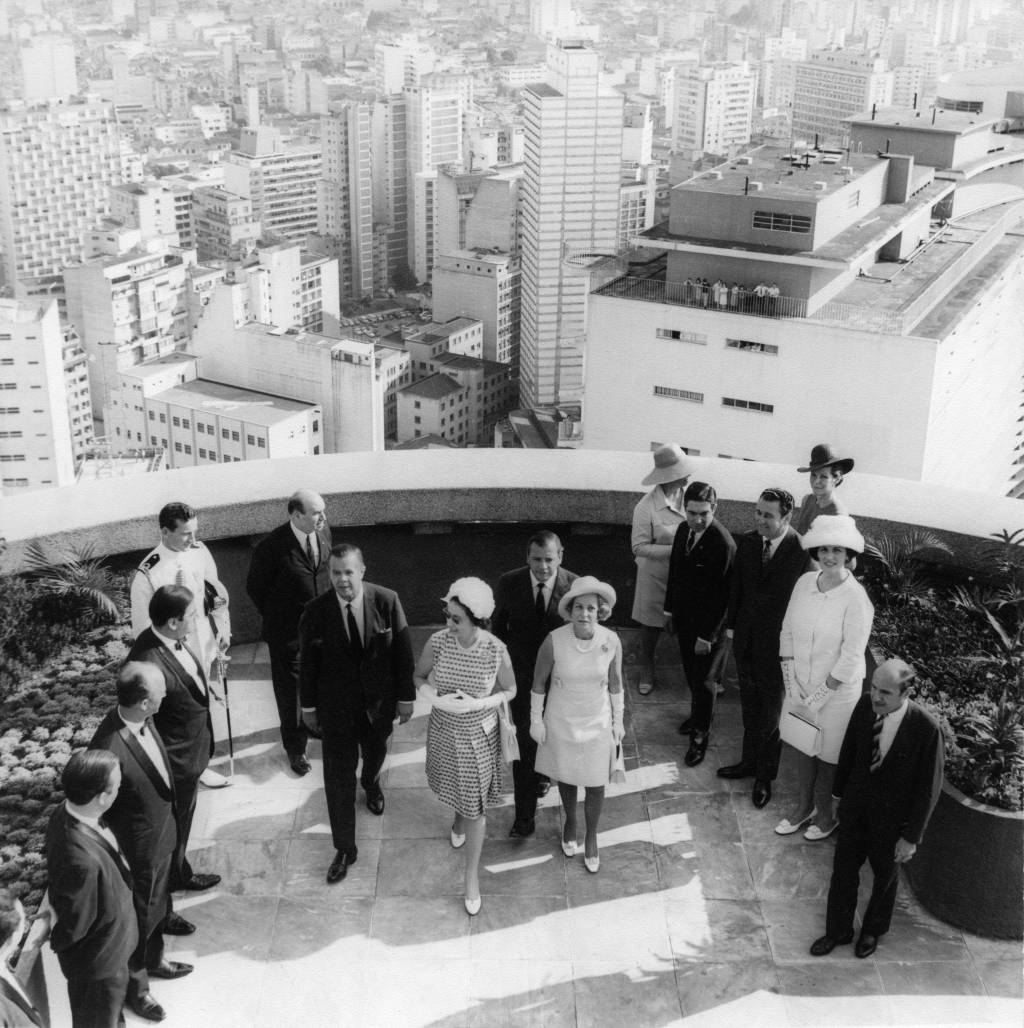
183, 722
16, 1007
696, 601
289, 568
525, 611
355, 673
90, 892
886, 786
769, 560
142, 820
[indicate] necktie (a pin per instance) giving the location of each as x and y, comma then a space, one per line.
690, 540
353, 629
766, 553
309, 550
178, 645
539, 603
876, 743
142, 729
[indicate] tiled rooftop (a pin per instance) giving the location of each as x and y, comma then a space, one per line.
700, 915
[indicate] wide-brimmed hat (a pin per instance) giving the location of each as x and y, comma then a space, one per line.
583, 587
822, 456
474, 594
670, 465
833, 530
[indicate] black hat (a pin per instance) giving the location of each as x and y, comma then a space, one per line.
823, 457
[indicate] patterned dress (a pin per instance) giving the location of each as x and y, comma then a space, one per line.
578, 747
463, 750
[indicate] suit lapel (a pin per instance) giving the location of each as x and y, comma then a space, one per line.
20, 1001
174, 668
369, 617
74, 825
145, 763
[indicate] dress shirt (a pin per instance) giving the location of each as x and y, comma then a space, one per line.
774, 544
94, 824
305, 539
147, 740
183, 657
549, 586
890, 726
357, 613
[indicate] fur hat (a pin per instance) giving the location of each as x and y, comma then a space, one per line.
474, 594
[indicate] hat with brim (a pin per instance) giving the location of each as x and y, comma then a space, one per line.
474, 594
670, 465
833, 530
584, 587
822, 456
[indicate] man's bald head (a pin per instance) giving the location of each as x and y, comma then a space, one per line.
889, 685
306, 511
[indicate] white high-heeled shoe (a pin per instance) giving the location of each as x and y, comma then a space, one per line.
569, 848
458, 841
473, 906
593, 864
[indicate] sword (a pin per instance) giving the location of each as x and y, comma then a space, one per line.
221, 663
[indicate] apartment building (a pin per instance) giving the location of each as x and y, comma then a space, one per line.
225, 227
714, 107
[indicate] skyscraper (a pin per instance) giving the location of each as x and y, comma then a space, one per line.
57, 162
570, 212
714, 104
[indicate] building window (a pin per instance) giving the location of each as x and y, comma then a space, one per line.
316, 425
679, 394
261, 442
680, 336
152, 416
163, 419
764, 408
177, 447
750, 346
185, 423
176, 422
854, 200
234, 437
417, 420
200, 428
152, 440
225, 433
251, 440
777, 221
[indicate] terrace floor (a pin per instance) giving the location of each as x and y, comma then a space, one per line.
700, 915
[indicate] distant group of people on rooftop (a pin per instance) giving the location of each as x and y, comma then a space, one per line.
699, 292
527, 672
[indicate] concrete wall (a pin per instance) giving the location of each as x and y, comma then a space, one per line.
427, 517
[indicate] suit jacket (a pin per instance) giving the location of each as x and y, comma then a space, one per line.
342, 685
183, 719
516, 624
91, 892
759, 596
900, 796
697, 593
282, 581
14, 1011
142, 816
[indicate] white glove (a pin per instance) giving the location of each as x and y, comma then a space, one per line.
618, 712
538, 730
818, 698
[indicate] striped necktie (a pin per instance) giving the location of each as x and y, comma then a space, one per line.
876, 742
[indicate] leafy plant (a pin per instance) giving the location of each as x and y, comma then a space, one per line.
76, 578
992, 745
897, 566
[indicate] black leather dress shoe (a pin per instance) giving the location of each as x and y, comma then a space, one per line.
170, 969
375, 800
543, 787
147, 1007
762, 793
198, 882
175, 924
823, 946
339, 867
866, 945
686, 727
698, 747
736, 771
522, 829
299, 764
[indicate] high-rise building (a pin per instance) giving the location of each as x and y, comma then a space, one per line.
280, 179
434, 113
35, 431
225, 229
831, 87
292, 288
390, 168
127, 305
76, 394
48, 68
57, 164
806, 284
400, 64
345, 209
714, 106
570, 212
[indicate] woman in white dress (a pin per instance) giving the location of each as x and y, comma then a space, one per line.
577, 734
824, 637
655, 520
466, 674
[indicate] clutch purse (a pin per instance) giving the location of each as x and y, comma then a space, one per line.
507, 730
617, 773
800, 732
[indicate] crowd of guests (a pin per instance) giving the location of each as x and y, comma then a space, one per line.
533, 660
762, 298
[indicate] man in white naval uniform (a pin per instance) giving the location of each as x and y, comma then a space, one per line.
181, 559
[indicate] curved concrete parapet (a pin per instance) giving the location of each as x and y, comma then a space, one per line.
118, 515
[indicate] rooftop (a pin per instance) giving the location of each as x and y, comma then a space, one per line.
433, 387
243, 404
700, 916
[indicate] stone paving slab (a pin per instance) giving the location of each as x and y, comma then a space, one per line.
700, 915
